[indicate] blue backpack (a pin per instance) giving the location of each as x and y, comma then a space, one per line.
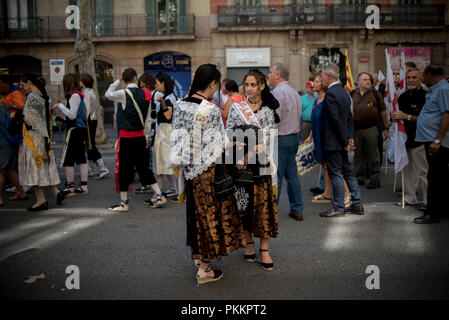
14, 139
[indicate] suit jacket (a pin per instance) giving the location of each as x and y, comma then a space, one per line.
337, 125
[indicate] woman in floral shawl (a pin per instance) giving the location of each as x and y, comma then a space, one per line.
255, 194
197, 144
37, 165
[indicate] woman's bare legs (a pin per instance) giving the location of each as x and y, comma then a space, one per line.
40, 196
327, 183
249, 246
265, 255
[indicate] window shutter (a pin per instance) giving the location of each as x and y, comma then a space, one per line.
103, 17
182, 16
150, 17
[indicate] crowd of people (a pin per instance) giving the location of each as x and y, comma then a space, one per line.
215, 147
27, 158
422, 107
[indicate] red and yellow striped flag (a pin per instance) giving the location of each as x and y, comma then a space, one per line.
349, 80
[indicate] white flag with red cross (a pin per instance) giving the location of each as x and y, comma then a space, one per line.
400, 135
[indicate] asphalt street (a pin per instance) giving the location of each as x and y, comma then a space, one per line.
142, 254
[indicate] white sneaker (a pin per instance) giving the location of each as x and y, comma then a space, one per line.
122, 207
102, 174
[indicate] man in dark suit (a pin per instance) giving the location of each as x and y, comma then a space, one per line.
337, 138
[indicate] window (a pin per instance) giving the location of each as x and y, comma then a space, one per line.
354, 1
103, 17
166, 16
19, 13
412, 2
300, 2
248, 2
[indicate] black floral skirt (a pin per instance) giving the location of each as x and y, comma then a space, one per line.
265, 217
214, 227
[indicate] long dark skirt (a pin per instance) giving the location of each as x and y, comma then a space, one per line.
265, 217
214, 227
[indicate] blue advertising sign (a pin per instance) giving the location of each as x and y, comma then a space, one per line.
176, 65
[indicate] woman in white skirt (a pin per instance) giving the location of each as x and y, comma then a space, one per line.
37, 165
165, 85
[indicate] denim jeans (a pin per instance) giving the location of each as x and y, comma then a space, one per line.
286, 167
340, 169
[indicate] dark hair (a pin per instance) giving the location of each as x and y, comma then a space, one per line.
5, 78
231, 86
410, 64
204, 75
129, 75
148, 80
267, 98
434, 70
41, 86
169, 84
70, 82
87, 80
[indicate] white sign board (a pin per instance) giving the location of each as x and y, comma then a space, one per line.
248, 57
57, 71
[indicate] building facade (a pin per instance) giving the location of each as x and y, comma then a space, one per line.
177, 36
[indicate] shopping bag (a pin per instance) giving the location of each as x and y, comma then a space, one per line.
305, 158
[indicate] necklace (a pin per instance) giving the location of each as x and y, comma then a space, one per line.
200, 95
254, 103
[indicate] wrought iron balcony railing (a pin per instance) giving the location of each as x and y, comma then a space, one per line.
103, 26
329, 14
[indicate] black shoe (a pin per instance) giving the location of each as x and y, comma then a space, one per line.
250, 257
266, 266
316, 190
331, 214
361, 182
42, 207
426, 219
373, 185
355, 210
59, 198
297, 217
80, 191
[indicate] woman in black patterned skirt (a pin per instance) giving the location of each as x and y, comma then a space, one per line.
197, 144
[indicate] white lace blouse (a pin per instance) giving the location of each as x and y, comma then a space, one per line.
266, 119
34, 113
196, 145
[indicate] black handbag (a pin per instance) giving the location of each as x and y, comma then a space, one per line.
223, 182
16, 124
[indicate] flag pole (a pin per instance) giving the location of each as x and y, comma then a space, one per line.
394, 184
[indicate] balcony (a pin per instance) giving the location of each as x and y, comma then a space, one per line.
121, 27
329, 15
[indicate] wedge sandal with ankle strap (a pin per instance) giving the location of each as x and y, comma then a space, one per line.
158, 202
250, 257
202, 278
266, 266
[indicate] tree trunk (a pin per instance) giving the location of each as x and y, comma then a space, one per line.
85, 51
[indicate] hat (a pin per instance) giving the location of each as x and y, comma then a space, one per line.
309, 84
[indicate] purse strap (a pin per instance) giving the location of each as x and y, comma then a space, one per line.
136, 106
